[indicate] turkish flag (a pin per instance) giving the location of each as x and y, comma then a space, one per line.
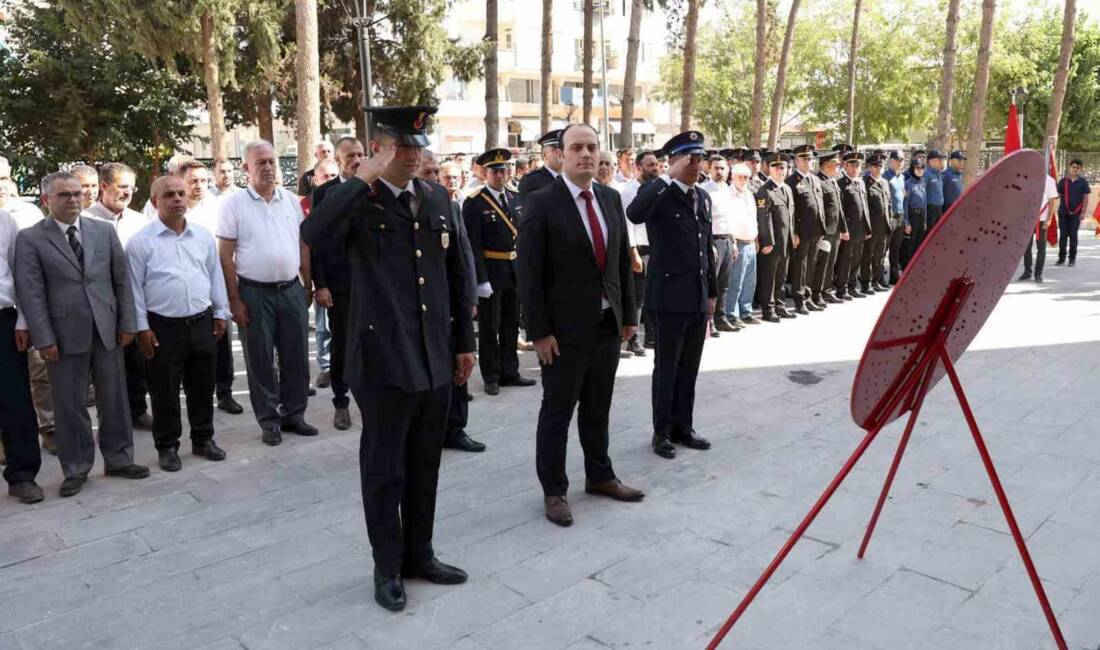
1012, 132
1052, 229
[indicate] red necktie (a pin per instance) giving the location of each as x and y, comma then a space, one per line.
597, 232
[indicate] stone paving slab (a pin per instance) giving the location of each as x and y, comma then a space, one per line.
268, 550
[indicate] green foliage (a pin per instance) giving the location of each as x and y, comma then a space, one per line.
67, 101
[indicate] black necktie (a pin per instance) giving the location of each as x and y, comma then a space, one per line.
74, 243
503, 201
694, 205
406, 199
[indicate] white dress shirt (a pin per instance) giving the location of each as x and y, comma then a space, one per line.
216, 193
175, 275
204, 214
720, 200
64, 228
742, 214
410, 187
582, 208
25, 214
266, 232
127, 223
9, 230
635, 232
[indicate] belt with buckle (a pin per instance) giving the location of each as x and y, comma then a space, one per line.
184, 320
278, 286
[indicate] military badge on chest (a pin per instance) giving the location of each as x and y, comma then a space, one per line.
445, 239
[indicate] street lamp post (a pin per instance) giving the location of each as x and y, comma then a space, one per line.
362, 23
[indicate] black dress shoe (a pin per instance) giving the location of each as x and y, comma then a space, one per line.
1059, 263
492, 388
208, 450
517, 381
341, 420
662, 447
722, 324
311, 391
230, 406
72, 486
783, 312
272, 436
813, 306
1072, 263
690, 440
880, 287
801, 309
635, 347
169, 460
833, 300
133, 470
714, 333
1039, 279
463, 442
143, 421
867, 290
856, 293
751, 320
771, 318
1026, 276
389, 592
299, 427
437, 572
469, 397
649, 343
26, 492
845, 297
324, 379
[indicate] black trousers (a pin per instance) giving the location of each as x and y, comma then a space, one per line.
771, 273
223, 365
680, 340
187, 354
726, 249
934, 213
399, 453
824, 264
918, 220
582, 377
872, 264
497, 332
847, 263
136, 384
458, 414
338, 328
801, 274
1068, 225
894, 248
18, 423
1040, 243
644, 317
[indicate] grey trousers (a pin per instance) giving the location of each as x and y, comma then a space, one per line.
278, 322
69, 378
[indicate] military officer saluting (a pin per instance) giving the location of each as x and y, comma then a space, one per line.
411, 335
836, 230
809, 225
777, 237
853, 203
491, 224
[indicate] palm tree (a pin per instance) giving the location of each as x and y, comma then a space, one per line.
1061, 77
626, 121
547, 58
307, 70
781, 78
586, 62
853, 51
947, 85
687, 94
492, 118
760, 72
976, 130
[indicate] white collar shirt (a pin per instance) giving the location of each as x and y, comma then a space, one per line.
175, 275
720, 200
127, 223
582, 209
64, 228
636, 232
742, 214
410, 187
9, 230
204, 214
25, 214
267, 234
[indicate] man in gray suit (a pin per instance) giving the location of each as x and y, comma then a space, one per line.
72, 280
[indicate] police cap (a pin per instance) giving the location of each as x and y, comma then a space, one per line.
876, 160
843, 148
408, 124
777, 158
804, 151
752, 155
853, 156
551, 139
494, 158
688, 142
828, 157
730, 154
934, 153
957, 155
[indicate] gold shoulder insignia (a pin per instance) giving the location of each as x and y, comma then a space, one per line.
761, 203
474, 192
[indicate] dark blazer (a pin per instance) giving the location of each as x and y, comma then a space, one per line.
682, 270
410, 308
332, 271
561, 288
834, 214
775, 217
878, 202
853, 201
488, 230
809, 205
536, 180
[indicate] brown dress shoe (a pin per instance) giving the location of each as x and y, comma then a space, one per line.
557, 511
614, 489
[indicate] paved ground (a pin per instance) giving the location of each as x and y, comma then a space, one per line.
268, 549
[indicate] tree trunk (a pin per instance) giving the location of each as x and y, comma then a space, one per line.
211, 75
947, 84
687, 93
1061, 77
781, 78
307, 69
626, 117
492, 98
265, 117
588, 53
853, 52
976, 131
546, 101
756, 126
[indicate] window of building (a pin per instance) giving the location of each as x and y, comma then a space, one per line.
523, 91
506, 43
456, 90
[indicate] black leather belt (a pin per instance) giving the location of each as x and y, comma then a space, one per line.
278, 286
723, 236
7, 310
184, 320
743, 242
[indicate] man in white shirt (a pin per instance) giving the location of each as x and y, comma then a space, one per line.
223, 178
117, 183
743, 225
24, 213
1039, 237
262, 256
646, 169
18, 427
718, 188
625, 172
181, 310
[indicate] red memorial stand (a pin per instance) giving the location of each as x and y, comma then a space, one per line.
946, 294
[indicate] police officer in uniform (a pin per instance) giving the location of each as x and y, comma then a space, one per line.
953, 179
681, 288
551, 168
836, 230
871, 272
853, 203
809, 224
411, 335
491, 225
755, 157
777, 237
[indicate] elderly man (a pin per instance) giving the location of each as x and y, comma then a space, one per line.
223, 178
605, 169
429, 166
116, 190
322, 151
267, 279
73, 282
89, 184
25, 214
181, 310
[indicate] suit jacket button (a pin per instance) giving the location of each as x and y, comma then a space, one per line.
423, 308
418, 253
421, 281
416, 226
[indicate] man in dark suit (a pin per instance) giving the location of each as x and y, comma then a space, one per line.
853, 202
809, 224
836, 229
681, 287
872, 266
332, 280
777, 237
577, 287
491, 225
410, 337
551, 168
73, 281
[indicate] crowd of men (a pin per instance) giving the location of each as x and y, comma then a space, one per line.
398, 253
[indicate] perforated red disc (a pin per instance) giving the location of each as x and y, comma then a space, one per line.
981, 237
